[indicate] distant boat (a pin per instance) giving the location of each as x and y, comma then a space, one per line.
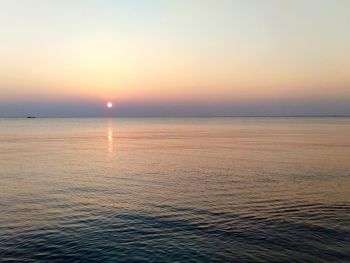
31, 117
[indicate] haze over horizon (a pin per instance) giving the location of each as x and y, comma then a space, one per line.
174, 58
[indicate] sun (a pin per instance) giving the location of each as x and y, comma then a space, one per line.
109, 104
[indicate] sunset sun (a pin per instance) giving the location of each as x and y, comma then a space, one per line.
109, 104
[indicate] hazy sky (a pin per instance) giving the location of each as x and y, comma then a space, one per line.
180, 57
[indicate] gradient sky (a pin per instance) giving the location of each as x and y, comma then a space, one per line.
183, 57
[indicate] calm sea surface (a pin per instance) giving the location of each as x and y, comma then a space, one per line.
175, 190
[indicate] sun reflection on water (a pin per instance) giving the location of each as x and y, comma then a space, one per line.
110, 136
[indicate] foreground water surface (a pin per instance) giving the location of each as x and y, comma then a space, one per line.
175, 190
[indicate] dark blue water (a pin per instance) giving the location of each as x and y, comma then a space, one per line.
175, 190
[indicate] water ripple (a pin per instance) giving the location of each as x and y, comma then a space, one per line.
207, 191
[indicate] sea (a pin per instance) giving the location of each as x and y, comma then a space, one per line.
240, 189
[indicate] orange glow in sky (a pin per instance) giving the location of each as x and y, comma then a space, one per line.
174, 51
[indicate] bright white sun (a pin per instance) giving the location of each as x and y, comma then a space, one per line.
109, 104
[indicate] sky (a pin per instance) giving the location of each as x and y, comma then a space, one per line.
174, 57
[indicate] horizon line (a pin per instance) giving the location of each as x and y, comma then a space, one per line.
186, 116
